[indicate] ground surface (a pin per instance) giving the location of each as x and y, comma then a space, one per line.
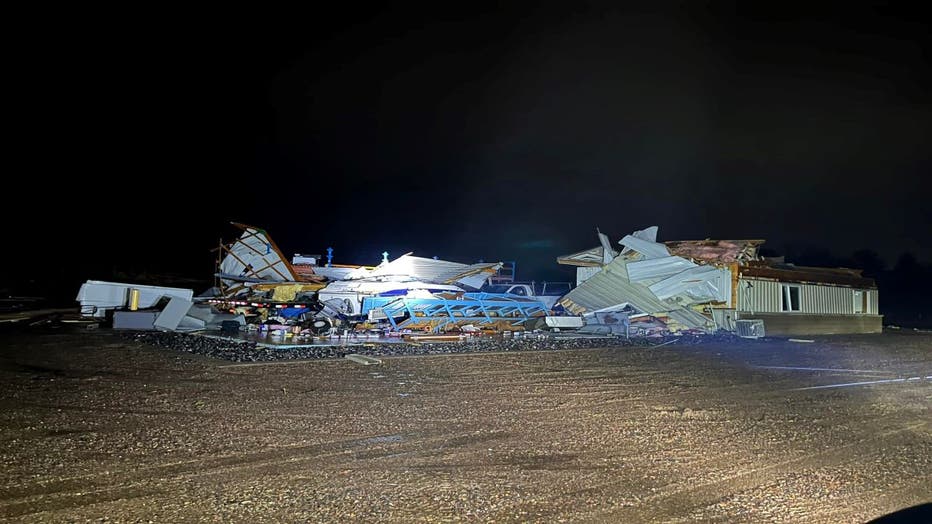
96, 427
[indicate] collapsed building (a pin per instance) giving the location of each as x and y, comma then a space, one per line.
706, 285
643, 288
407, 293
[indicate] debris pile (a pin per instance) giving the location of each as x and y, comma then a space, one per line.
645, 289
650, 288
299, 301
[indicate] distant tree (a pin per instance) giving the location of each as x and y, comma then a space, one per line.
907, 264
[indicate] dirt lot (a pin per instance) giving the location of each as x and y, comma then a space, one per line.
95, 427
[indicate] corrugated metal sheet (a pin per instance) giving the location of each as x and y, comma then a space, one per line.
611, 286
698, 284
764, 296
648, 233
758, 295
585, 273
826, 300
645, 247
654, 269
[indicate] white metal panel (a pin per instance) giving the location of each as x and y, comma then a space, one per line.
697, 284
827, 300
584, 273
253, 255
649, 234
645, 247
97, 296
764, 296
761, 296
655, 269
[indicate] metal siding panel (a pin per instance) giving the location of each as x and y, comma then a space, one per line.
773, 297
763, 297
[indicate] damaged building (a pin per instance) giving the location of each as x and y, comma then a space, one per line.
707, 285
635, 287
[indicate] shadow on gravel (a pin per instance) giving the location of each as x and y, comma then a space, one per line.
920, 513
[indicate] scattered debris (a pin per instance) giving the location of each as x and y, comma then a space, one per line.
97, 297
362, 359
646, 290
750, 328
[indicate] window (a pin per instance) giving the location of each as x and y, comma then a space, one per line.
860, 302
789, 298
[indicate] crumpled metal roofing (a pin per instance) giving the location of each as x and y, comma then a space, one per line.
698, 284
611, 286
254, 256
648, 233
645, 247
430, 270
654, 269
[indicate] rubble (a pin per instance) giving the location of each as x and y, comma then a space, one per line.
643, 289
662, 287
97, 297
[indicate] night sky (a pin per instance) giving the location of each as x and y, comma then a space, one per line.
495, 133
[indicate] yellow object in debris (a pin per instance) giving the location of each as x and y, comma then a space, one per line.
286, 293
133, 299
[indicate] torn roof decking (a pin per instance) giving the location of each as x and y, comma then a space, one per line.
702, 251
715, 251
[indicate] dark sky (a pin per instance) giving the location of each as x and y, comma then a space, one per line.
500, 133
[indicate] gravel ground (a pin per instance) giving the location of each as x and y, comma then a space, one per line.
101, 427
243, 351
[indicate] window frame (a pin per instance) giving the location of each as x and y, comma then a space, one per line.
786, 298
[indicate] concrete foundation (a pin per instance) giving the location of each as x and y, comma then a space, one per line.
782, 324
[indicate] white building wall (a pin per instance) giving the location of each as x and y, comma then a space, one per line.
761, 296
764, 296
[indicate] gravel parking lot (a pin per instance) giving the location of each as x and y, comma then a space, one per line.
99, 426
